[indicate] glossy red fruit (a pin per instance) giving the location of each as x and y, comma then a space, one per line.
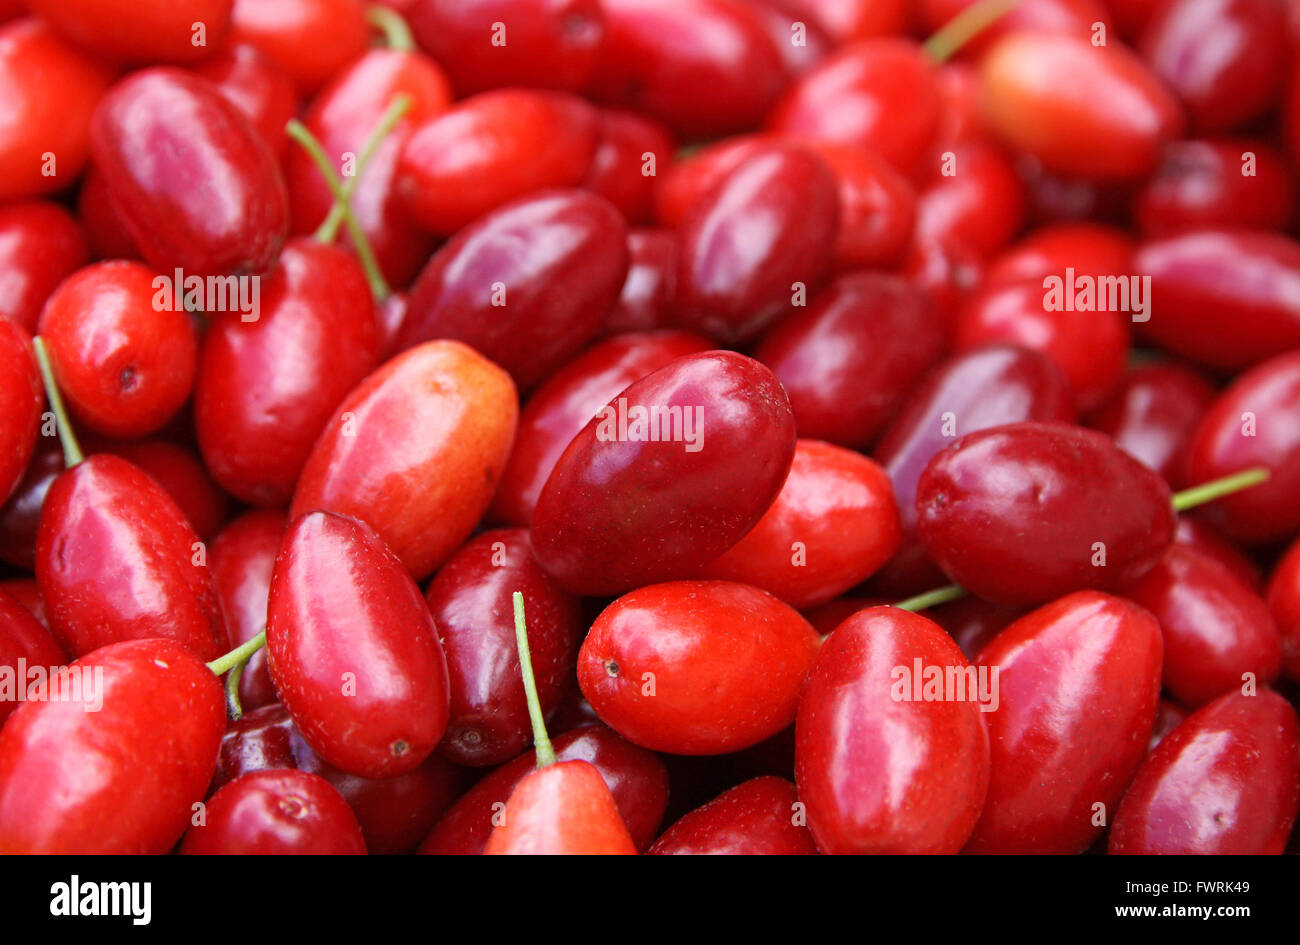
1225, 59
986, 387
1284, 604
45, 139
563, 808
877, 207
154, 135
527, 285
415, 451
660, 55
552, 44
568, 400
1216, 182
343, 117
762, 237
1074, 17
1227, 780
21, 400
1023, 513
1089, 343
41, 244
276, 813
800, 44
1255, 422
697, 173
635, 777
1078, 681
1169, 715
1217, 630
105, 231
470, 598
882, 766
631, 154
1089, 248
979, 203
262, 92
116, 560
629, 504
1194, 533
352, 648
123, 353
152, 747
312, 40
142, 31
946, 275
24, 645
757, 818
21, 514
1083, 110
834, 523
696, 667
242, 557
878, 94
848, 359
648, 299
847, 20
973, 622
269, 380
180, 472
492, 148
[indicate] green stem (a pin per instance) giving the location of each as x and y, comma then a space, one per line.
965, 26
298, 132
238, 656
233, 704
940, 595
72, 453
542, 741
329, 228
397, 34
1218, 488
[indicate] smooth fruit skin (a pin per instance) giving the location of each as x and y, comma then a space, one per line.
182, 474
635, 777
621, 513
1024, 513
696, 667
41, 244
987, 387
1227, 780
123, 779
877, 207
567, 400
267, 387
1195, 533
1225, 298
260, 90
271, 813
21, 514
1079, 681
1094, 249
562, 809
47, 117
980, 205
879, 770
756, 818
154, 135
312, 40
834, 523
471, 601
352, 648
116, 560
1217, 630
849, 358
527, 286
21, 400
1255, 422
124, 363
492, 148
415, 451
22, 637
749, 243
631, 154
1284, 604
1085, 111
648, 299
140, 30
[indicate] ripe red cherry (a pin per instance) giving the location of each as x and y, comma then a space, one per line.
124, 362
563, 808
877, 207
276, 813
268, 382
1227, 780
1284, 604
22, 637
152, 746
40, 245
1078, 684
141, 30
415, 451
757, 818
263, 93
649, 296
1092, 249
693, 176
1076, 17
697, 667
353, 650
980, 204
1194, 533
182, 474
311, 40
157, 132
631, 154
1024, 513
21, 400
626, 505
881, 769
847, 20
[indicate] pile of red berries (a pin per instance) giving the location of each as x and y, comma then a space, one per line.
848, 426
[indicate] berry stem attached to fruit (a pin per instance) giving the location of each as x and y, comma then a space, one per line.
233, 705
940, 595
965, 26
397, 35
238, 656
329, 228
72, 453
1218, 488
542, 741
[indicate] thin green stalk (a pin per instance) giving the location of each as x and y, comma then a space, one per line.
965, 26
329, 227
1218, 488
72, 453
397, 34
940, 595
233, 705
545, 752
238, 656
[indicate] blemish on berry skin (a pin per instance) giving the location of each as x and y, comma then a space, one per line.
127, 379
293, 806
611, 668
398, 748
